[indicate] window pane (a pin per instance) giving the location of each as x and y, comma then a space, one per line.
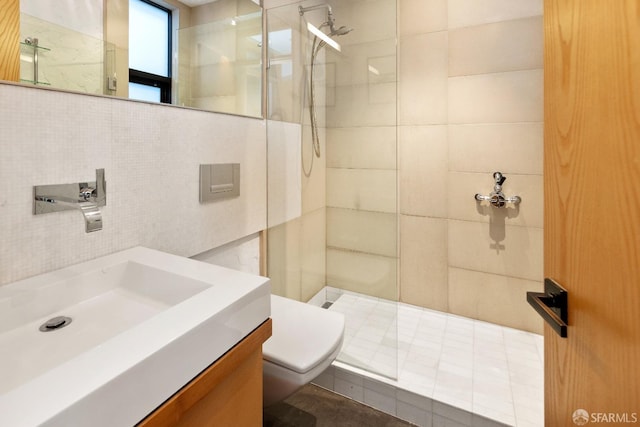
148, 38
144, 92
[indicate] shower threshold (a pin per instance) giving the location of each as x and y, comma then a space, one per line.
433, 368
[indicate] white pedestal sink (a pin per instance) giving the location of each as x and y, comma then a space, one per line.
144, 323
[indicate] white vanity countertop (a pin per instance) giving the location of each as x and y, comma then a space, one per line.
144, 324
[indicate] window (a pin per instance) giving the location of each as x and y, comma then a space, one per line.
149, 51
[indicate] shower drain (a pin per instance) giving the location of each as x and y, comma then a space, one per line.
55, 323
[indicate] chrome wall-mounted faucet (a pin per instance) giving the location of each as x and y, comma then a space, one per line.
87, 197
497, 197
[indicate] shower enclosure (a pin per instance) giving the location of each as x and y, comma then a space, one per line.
331, 105
454, 329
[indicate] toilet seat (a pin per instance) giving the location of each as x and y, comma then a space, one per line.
304, 336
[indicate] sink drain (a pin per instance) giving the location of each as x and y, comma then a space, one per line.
55, 323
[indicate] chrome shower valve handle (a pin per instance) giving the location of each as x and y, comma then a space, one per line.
497, 198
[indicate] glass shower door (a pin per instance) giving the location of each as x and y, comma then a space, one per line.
349, 203
362, 213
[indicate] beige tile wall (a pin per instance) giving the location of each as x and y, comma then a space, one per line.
362, 147
297, 253
284, 186
362, 272
363, 231
422, 87
423, 262
407, 149
470, 103
423, 170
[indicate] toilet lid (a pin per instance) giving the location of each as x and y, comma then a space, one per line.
303, 335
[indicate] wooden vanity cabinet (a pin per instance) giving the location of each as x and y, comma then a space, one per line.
227, 393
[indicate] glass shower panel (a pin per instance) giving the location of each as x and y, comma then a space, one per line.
296, 208
352, 185
362, 202
220, 64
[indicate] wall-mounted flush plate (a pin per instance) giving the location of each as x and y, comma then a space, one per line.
219, 181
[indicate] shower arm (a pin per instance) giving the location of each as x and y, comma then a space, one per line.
303, 10
330, 20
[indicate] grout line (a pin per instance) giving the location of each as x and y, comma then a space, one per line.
401, 385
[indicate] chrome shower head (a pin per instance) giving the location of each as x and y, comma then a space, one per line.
340, 31
330, 22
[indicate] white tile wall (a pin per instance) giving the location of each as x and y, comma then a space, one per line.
241, 255
151, 155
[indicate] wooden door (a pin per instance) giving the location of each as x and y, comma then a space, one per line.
592, 208
10, 40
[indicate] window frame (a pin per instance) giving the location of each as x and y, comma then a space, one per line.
156, 80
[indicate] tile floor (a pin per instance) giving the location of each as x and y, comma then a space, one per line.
314, 406
427, 358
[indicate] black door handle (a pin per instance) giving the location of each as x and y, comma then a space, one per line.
551, 305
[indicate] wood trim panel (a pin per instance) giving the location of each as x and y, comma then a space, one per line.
230, 389
10, 40
264, 265
592, 205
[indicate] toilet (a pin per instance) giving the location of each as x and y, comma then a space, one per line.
304, 342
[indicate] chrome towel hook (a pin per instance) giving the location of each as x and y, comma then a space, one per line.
497, 197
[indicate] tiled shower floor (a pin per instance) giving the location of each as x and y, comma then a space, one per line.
482, 368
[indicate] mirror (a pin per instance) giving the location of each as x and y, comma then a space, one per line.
215, 50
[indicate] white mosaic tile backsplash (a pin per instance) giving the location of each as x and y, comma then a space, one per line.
150, 153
